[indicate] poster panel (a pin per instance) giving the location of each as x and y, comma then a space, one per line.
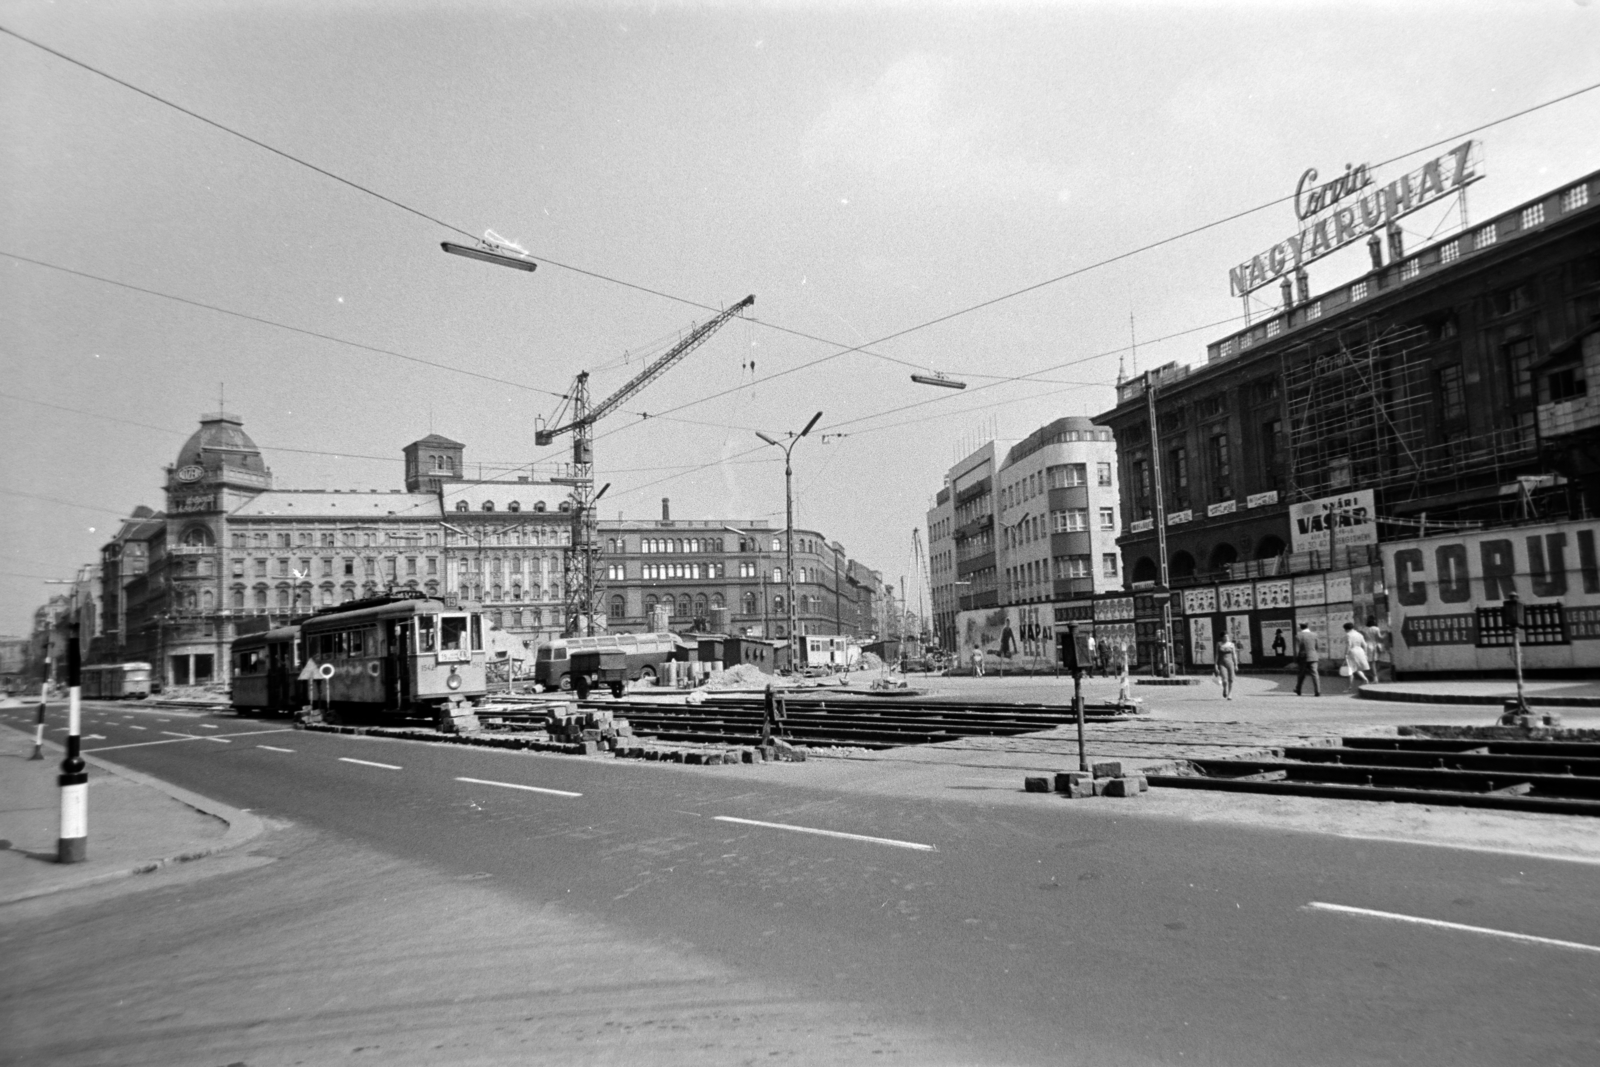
1437, 584
1018, 631
1318, 621
1239, 630
1337, 617
1117, 638
1274, 594
1201, 652
1310, 590
1277, 636
1240, 597
1339, 587
1201, 601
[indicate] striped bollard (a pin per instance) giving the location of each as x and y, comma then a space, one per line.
73, 845
38, 730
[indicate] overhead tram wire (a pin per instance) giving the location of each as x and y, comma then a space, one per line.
280, 325
668, 296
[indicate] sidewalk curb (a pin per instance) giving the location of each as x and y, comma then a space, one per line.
243, 827
1474, 699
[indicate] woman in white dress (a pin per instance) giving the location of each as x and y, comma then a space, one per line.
1355, 656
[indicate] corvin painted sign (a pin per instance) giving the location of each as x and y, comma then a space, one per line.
1350, 207
1439, 584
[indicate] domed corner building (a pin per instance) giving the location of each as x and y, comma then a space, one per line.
232, 554
219, 469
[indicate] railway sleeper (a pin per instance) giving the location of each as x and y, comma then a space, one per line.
1545, 785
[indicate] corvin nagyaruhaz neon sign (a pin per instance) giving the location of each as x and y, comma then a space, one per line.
1330, 226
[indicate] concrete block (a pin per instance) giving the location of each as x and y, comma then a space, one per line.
591, 734
1079, 790
696, 758
591, 748
1066, 779
1122, 787
747, 755
677, 755
1098, 786
1144, 782
624, 730
1111, 768
1036, 785
652, 753
714, 759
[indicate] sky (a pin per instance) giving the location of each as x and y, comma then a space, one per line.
1025, 197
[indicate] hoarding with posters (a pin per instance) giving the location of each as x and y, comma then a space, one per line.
1440, 587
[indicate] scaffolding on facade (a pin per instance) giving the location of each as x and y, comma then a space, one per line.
1361, 403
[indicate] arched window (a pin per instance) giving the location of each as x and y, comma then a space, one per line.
488, 505
777, 574
716, 600
700, 604
650, 603
283, 596
462, 505
516, 591
207, 600
348, 593
566, 505
327, 596
238, 598
261, 596
538, 505
611, 544
618, 607
197, 537
515, 505
749, 604
777, 603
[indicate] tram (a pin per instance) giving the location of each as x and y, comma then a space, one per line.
115, 681
403, 653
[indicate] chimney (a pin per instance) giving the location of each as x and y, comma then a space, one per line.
666, 509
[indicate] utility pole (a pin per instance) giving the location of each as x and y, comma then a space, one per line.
1165, 649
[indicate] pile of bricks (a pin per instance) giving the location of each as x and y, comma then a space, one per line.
1104, 778
596, 730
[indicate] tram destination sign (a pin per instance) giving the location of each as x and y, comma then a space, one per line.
1336, 213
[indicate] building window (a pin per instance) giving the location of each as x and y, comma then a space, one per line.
1532, 216
238, 540
1108, 565
1409, 269
1221, 467
1519, 365
1567, 383
1108, 518
1485, 237
1074, 566
1315, 310
1507, 301
238, 568
1178, 473
1072, 520
615, 573
1358, 291
1103, 470
515, 505
1066, 475
1452, 397
1575, 197
461, 505
1450, 252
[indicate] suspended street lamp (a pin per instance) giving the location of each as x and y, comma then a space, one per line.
938, 379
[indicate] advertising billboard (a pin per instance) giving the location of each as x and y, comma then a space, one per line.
1350, 517
1446, 592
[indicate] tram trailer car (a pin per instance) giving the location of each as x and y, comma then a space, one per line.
266, 672
114, 681
396, 654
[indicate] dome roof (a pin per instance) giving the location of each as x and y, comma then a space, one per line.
220, 440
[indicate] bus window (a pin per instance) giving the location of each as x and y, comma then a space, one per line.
477, 633
452, 633
427, 632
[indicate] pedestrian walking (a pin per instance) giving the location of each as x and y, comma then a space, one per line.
1374, 638
977, 661
1305, 657
1227, 665
1355, 656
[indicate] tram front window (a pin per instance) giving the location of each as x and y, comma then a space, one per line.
427, 633
452, 633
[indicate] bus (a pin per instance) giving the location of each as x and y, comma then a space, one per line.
646, 653
115, 681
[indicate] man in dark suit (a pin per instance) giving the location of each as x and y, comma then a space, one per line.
1305, 656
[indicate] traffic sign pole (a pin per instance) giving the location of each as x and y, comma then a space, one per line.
38, 729
73, 844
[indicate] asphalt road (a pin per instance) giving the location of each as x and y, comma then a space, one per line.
1014, 935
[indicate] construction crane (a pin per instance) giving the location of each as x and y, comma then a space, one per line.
582, 587
924, 582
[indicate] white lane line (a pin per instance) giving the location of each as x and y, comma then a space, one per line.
1317, 905
513, 785
207, 726
173, 733
275, 748
828, 833
369, 763
219, 740
175, 738
140, 728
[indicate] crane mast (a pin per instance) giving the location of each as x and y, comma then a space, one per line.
582, 586
924, 582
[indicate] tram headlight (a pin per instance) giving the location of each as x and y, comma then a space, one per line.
454, 681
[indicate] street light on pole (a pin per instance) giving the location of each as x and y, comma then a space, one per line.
788, 502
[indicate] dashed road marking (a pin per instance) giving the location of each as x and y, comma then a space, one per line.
369, 763
528, 788
136, 728
1317, 905
175, 738
171, 733
829, 833
207, 726
275, 748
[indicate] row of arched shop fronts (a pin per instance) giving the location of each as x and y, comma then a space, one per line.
1183, 565
1261, 614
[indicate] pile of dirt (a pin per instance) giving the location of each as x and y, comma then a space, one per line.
870, 661
742, 676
